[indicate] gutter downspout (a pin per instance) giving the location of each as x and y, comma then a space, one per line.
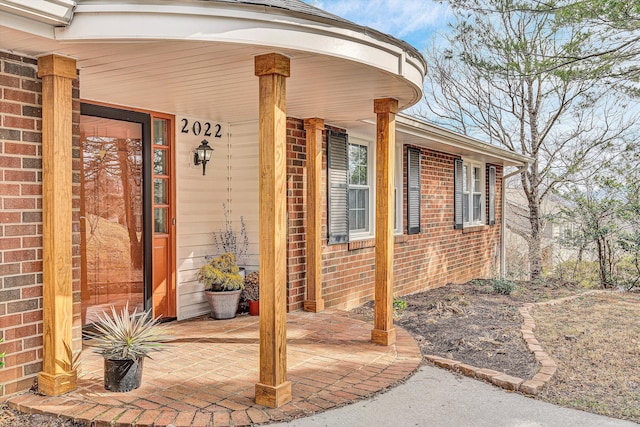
503, 222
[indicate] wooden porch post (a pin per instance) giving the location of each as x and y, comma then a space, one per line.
57, 73
314, 301
273, 389
383, 332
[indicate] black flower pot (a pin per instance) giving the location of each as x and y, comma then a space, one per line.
122, 374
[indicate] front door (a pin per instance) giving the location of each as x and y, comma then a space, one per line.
118, 221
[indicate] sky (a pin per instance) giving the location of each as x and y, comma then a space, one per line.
413, 21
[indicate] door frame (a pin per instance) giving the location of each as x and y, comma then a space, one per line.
143, 119
172, 262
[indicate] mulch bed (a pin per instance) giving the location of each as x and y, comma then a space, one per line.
11, 418
472, 324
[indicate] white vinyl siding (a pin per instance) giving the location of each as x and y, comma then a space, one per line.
231, 178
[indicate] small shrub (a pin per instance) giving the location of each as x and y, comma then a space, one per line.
502, 286
227, 240
1, 358
399, 304
251, 291
221, 274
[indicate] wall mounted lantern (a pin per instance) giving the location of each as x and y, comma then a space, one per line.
202, 155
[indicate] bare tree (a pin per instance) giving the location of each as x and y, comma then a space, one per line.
503, 75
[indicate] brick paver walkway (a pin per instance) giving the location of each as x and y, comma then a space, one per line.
208, 374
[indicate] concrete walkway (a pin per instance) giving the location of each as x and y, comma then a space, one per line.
437, 397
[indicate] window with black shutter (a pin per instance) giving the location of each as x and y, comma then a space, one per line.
338, 188
458, 188
492, 195
413, 191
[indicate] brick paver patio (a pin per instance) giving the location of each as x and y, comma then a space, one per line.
208, 374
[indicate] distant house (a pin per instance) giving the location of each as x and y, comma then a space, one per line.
344, 200
556, 233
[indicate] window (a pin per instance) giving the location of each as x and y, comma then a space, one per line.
359, 188
350, 197
351, 188
398, 191
469, 193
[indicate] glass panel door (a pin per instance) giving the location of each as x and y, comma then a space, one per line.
163, 292
111, 209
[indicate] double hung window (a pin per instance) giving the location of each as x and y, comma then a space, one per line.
470, 193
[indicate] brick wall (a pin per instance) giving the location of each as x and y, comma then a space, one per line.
433, 258
21, 221
296, 213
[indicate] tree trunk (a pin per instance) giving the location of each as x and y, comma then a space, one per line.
535, 251
535, 240
130, 190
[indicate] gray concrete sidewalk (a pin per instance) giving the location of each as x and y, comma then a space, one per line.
436, 397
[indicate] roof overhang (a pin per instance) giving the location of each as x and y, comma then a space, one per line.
413, 131
200, 54
51, 12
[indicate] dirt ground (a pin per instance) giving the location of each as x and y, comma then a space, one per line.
9, 418
472, 324
596, 342
595, 339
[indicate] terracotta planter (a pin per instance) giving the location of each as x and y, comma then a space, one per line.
122, 374
254, 307
224, 305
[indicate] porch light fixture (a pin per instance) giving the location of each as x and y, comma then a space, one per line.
202, 155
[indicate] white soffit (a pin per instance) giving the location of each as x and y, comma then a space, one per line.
52, 12
254, 25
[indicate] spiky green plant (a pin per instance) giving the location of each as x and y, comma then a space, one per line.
127, 335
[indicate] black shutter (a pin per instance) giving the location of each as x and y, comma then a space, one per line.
338, 194
413, 191
458, 195
492, 195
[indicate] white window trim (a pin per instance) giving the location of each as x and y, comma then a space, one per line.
399, 190
483, 192
371, 179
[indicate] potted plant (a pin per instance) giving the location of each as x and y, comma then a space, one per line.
124, 340
251, 292
222, 284
226, 240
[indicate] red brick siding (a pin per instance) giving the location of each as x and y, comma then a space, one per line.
21, 221
433, 258
296, 213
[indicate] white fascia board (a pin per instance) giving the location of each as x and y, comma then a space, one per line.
52, 12
26, 25
257, 26
463, 143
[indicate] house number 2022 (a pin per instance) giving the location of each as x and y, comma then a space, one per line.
206, 128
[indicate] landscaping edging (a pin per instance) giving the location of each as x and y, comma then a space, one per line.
548, 366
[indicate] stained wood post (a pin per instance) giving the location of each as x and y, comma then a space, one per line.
383, 331
273, 389
57, 74
314, 301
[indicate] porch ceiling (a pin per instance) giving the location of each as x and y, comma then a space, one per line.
215, 80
